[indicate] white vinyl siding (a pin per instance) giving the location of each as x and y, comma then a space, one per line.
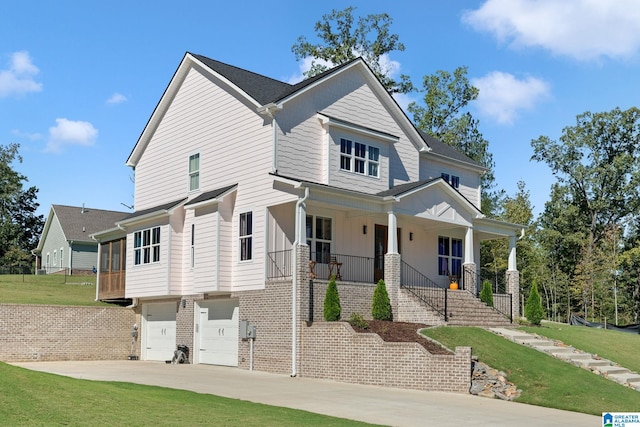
469, 180
149, 279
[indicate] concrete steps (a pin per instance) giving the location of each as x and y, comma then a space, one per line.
597, 365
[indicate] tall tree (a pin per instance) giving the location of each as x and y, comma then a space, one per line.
444, 116
20, 227
342, 40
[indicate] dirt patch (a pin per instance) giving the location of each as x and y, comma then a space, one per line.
402, 332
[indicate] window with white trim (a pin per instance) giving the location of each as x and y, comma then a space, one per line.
449, 256
146, 246
246, 236
55, 258
319, 237
61, 257
453, 180
194, 172
359, 158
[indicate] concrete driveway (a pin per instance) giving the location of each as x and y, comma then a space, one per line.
371, 404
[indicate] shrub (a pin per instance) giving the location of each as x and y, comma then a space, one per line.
381, 308
533, 310
357, 321
332, 308
486, 294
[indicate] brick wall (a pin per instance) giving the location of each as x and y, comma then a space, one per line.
332, 350
410, 309
48, 333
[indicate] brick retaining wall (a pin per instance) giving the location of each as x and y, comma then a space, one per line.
48, 333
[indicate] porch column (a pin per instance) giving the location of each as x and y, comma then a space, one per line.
392, 261
469, 280
513, 278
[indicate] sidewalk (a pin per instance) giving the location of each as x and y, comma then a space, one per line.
380, 405
597, 365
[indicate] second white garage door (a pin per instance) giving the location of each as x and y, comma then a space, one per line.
217, 332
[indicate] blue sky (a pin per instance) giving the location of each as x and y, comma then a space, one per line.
79, 79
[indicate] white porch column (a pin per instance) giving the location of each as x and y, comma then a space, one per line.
468, 246
512, 253
392, 234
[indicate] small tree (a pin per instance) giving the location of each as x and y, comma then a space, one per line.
533, 310
486, 294
381, 308
332, 309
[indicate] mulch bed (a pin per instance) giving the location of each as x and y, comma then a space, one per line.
402, 332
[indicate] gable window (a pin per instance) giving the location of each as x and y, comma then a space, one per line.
449, 256
359, 158
146, 246
246, 235
453, 180
319, 238
194, 172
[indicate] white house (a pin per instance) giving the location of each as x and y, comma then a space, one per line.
251, 192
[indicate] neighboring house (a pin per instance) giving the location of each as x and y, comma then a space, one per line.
251, 192
66, 245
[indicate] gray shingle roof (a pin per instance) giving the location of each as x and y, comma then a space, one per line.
404, 188
446, 150
79, 223
161, 208
208, 195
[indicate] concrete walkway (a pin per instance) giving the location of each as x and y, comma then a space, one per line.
371, 404
595, 364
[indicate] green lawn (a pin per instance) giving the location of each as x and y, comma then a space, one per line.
543, 379
48, 289
620, 347
32, 398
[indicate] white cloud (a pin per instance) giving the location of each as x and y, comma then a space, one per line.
581, 29
69, 132
502, 96
116, 98
19, 78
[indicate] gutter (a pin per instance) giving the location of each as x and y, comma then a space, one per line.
294, 294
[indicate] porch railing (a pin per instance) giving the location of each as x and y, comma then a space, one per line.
346, 268
280, 264
502, 304
425, 289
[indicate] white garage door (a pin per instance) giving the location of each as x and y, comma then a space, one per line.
217, 332
159, 331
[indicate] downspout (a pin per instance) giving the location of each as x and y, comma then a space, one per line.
294, 294
98, 268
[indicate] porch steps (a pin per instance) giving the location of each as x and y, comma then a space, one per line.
464, 309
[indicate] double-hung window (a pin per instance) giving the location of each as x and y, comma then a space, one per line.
319, 237
246, 235
449, 256
359, 158
453, 180
146, 246
194, 172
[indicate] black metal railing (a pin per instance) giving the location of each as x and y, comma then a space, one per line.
280, 264
502, 303
345, 268
425, 289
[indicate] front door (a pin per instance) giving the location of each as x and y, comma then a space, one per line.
380, 249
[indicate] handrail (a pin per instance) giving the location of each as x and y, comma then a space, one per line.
425, 289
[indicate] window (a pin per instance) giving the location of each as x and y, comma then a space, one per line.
319, 236
61, 257
359, 158
146, 246
194, 172
246, 234
453, 180
193, 245
55, 258
449, 256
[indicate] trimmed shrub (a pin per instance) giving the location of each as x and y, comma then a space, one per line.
357, 321
533, 310
381, 307
486, 294
332, 309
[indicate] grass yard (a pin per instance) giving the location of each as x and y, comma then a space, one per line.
31, 398
543, 379
48, 289
620, 347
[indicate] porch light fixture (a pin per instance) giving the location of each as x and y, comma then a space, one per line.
364, 229
411, 235
184, 303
